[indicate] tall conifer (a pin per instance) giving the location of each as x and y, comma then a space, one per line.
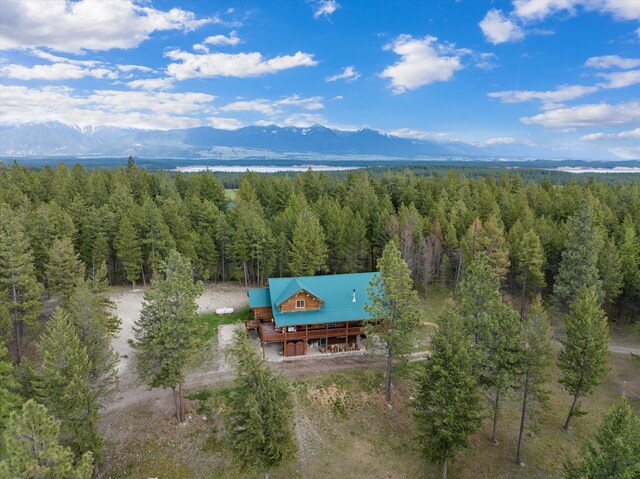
33, 450
259, 412
579, 265
448, 405
537, 356
615, 451
19, 290
393, 308
584, 359
64, 385
167, 332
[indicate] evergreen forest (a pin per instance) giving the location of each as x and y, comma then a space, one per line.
509, 251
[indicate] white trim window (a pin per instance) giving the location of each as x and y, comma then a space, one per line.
299, 303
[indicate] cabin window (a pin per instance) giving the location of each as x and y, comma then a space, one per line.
299, 303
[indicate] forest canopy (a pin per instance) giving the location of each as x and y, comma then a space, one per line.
127, 220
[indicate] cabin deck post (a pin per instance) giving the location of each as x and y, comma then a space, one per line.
346, 336
326, 336
285, 342
263, 352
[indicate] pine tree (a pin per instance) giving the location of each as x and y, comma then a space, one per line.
128, 250
19, 290
64, 270
448, 404
493, 327
492, 241
64, 385
610, 267
501, 349
479, 296
251, 246
579, 265
537, 356
630, 258
615, 452
98, 278
393, 308
9, 397
584, 359
259, 412
33, 450
531, 261
309, 253
95, 324
167, 333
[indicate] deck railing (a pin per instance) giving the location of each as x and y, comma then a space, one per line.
310, 334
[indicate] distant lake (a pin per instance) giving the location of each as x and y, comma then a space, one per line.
584, 169
262, 169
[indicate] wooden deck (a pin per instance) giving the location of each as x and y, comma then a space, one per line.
268, 333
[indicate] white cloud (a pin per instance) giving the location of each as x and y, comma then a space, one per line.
56, 71
132, 68
499, 29
302, 119
550, 97
419, 134
150, 110
348, 74
612, 61
311, 103
620, 79
622, 135
225, 123
232, 39
628, 152
151, 84
58, 59
273, 108
596, 114
423, 61
261, 106
324, 8
239, 65
501, 140
86, 24
532, 10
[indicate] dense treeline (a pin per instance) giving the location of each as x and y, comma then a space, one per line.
128, 219
67, 233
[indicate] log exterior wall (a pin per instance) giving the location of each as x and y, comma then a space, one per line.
265, 313
311, 303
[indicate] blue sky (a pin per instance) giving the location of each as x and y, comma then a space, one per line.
539, 72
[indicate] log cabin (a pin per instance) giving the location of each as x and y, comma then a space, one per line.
323, 312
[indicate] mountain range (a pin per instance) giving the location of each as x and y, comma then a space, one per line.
55, 139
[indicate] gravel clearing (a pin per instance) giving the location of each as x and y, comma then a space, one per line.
128, 306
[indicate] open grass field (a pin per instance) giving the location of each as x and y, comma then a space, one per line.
344, 428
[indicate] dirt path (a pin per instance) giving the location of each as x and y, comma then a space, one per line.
624, 349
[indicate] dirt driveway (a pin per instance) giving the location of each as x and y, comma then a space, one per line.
128, 306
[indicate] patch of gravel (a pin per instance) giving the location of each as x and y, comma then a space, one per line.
128, 304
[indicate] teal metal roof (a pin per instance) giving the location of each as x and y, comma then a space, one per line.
294, 285
259, 298
335, 290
